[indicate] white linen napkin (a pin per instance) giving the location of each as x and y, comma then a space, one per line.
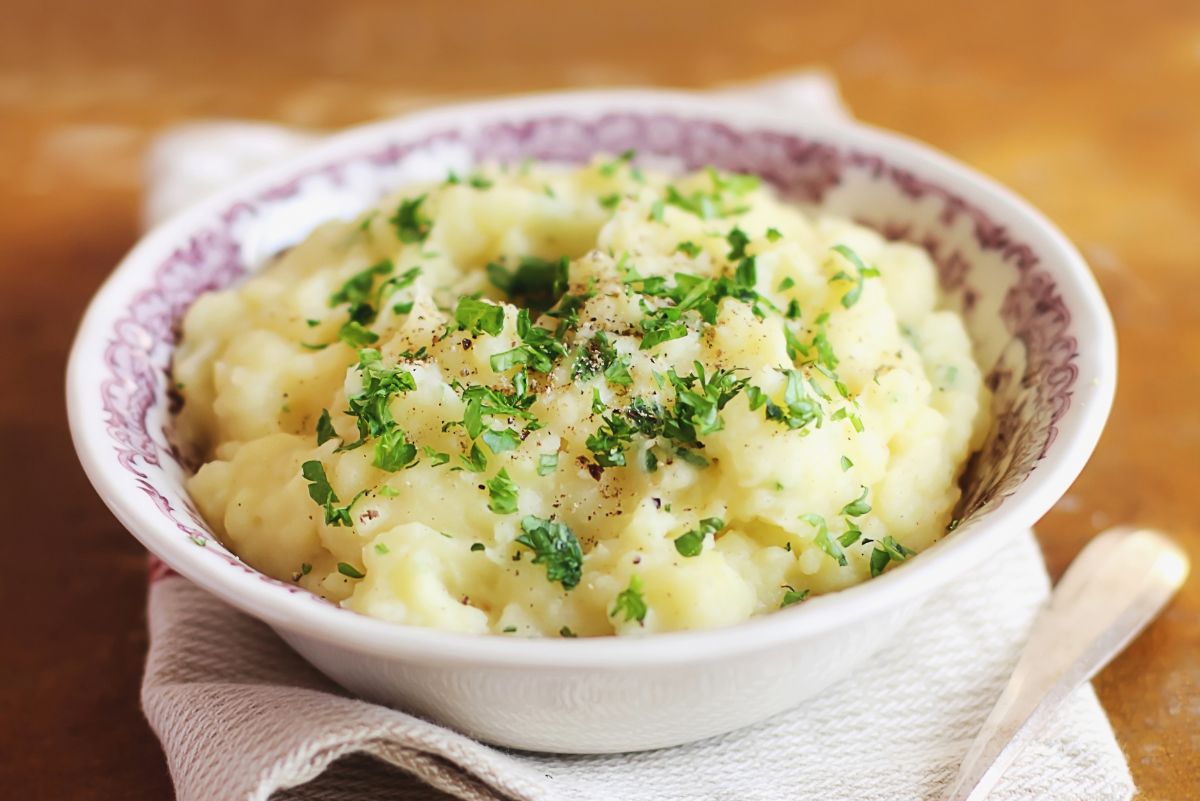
241, 717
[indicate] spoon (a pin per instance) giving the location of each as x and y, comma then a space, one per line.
1113, 589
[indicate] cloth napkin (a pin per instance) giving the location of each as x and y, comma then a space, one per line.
242, 717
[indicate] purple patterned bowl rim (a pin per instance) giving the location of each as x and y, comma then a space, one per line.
134, 504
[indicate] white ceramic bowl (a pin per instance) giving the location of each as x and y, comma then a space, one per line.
1042, 332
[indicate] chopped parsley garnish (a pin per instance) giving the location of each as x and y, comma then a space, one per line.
862, 272
565, 631
475, 460
887, 550
792, 596
539, 350
382, 549
370, 406
394, 284
502, 494
435, 457
411, 224
609, 201
795, 348
859, 506
692, 542
701, 204
699, 398
323, 495
305, 568
554, 545
630, 602
735, 182
824, 540
846, 463
478, 316
773, 235
357, 290
799, 408
690, 249
536, 282
610, 441
599, 354
350, 570
501, 440
595, 356
482, 401
693, 293
354, 334
738, 241
547, 464
325, 430
478, 546
609, 169
851, 535
394, 451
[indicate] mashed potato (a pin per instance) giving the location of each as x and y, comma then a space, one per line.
557, 402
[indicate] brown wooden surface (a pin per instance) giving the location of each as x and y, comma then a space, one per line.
1090, 110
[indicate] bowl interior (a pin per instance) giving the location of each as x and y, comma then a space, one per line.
1027, 299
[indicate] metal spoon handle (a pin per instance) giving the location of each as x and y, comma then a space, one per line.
1112, 590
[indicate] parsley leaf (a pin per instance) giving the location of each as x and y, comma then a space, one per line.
792, 596
536, 282
555, 545
357, 289
349, 570
322, 493
319, 488
887, 550
862, 272
501, 440
595, 356
394, 451
823, 540
630, 602
547, 464
356, 336
411, 224
539, 350
859, 506
483, 401
692, 542
738, 241
475, 460
502, 494
325, 430
478, 316
369, 406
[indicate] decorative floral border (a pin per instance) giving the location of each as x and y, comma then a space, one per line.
1032, 381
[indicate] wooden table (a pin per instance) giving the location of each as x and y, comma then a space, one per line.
1090, 111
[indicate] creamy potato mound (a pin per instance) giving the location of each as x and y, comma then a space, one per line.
574, 402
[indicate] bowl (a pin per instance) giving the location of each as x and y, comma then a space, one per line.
1040, 328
